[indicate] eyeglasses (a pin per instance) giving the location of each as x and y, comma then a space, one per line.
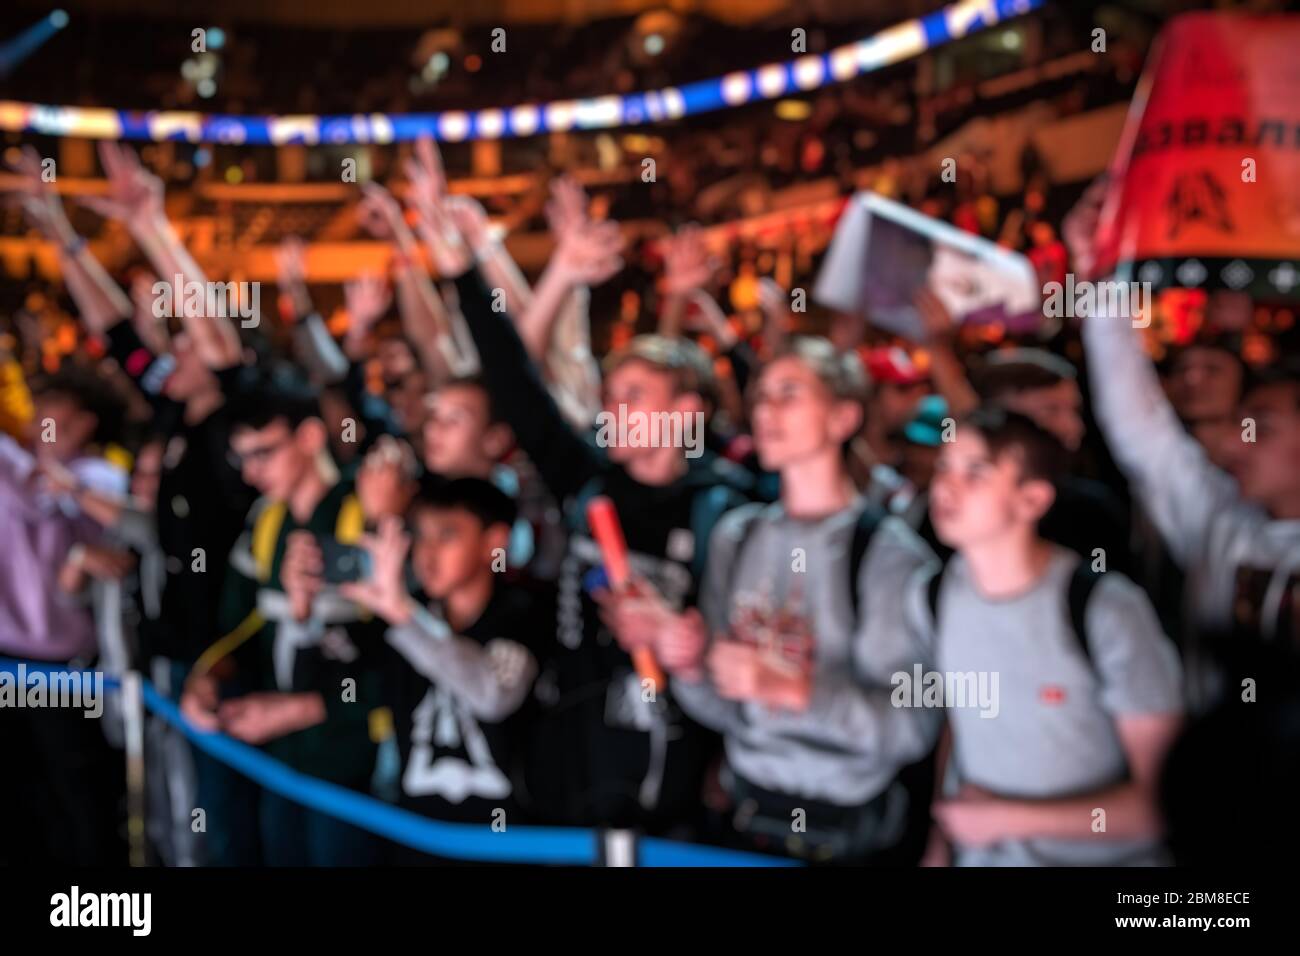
254, 455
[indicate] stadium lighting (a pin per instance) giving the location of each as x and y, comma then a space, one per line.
735, 89
59, 19
792, 110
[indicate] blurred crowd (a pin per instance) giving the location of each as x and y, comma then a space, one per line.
947, 604
638, 536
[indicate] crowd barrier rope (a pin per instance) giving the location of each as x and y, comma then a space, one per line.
572, 846
803, 74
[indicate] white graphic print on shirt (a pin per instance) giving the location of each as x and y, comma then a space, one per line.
442, 720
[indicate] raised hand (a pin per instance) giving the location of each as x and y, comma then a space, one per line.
38, 201
589, 253
426, 174
386, 479
707, 316
567, 208
438, 230
384, 591
778, 318
291, 274
448, 228
366, 298
1080, 229
379, 213
688, 263
935, 318
135, 195
469, 216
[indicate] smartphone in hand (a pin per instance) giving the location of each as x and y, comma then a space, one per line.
343, 563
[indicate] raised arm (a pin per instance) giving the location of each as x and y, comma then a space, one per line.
571, 369
1177, 484
424, 317
562, 457
100, 302
688, 267
946, 367
313, 346
135, 199
493, 678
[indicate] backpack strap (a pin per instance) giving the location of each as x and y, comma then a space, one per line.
350, 523
706, 510
869, 519
932, 588
577, 509
752, 513
1082, 582
266, 533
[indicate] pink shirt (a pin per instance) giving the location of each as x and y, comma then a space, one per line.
37, 620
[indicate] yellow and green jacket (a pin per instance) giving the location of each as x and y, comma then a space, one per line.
337, 661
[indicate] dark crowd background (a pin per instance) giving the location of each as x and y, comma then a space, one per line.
355, 532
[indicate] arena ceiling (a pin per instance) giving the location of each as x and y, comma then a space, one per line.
377, 13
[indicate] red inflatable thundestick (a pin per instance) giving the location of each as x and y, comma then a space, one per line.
602, 518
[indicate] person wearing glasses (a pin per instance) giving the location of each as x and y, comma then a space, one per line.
305, 694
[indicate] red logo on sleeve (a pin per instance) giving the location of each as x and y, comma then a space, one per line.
1052, 694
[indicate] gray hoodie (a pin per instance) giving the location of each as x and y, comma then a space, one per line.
851, 742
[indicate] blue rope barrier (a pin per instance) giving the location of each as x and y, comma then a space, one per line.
463, 841
655, 852
809, 72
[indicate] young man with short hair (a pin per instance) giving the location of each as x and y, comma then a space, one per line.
1061, 767
466, 437
1037, 384
458, 666
1204, 380
611, 748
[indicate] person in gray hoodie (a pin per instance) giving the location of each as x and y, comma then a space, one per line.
800, 626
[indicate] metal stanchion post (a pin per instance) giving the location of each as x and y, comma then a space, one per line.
619, 847
133, 719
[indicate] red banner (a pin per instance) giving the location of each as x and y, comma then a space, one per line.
1205, 187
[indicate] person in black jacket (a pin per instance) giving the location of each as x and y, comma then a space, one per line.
611, 747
